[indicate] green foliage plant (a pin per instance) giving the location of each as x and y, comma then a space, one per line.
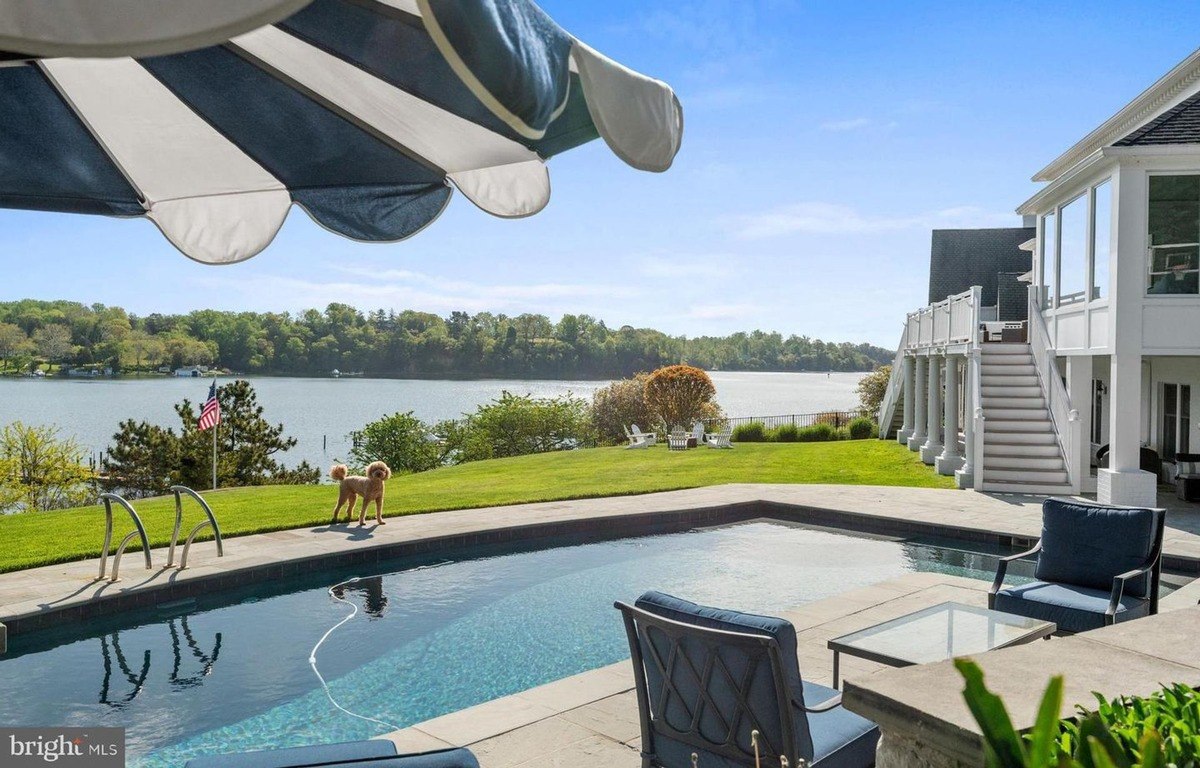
785, 433
1091, 744
401, 440
750, 432
872, 388
144, 460
516, 425
817, 433
40, 471
861, 428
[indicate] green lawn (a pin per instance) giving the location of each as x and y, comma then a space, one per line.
29, 540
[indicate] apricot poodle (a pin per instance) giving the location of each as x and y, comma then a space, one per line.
353, 486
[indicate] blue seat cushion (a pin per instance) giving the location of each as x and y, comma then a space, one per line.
1088, 545
841, 739
1072, 608
373, 753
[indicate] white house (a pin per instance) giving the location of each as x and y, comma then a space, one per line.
1112, 350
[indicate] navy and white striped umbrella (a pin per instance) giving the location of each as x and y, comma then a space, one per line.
365, 113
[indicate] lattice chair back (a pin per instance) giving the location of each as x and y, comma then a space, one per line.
704, 691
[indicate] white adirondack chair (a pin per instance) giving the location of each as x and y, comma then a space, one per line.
722, 439
637, 440
698, 432
651, 438
678, 439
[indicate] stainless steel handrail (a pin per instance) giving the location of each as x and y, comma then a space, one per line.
140, 530
179, 491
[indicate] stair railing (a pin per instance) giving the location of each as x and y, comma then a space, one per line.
139, 530
1062, 415
895, 389
211, 521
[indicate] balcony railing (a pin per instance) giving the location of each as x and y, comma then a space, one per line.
953, 320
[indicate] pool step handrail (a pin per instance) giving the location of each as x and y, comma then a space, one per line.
180, 491
139, 530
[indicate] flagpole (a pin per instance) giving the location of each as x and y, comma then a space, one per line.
215, 427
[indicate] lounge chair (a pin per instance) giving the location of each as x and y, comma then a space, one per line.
1187, 476
722, 439
677, 440
707, 678
698, 433
637, 441
375, 753
651, 438
1096, 565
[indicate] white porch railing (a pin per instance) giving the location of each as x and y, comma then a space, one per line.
953, 321
1065, 418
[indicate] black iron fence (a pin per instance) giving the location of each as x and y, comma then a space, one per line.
836, 419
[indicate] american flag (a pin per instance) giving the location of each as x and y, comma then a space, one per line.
210, 416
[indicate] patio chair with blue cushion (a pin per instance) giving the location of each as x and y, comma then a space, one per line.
375, 753
1096, 565
715, 683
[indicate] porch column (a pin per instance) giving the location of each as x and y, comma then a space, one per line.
920, 381
965, 476
933, 409
949, 461
909, 373
1079, 391
1123, 481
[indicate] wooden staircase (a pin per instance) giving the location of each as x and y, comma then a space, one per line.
1021, 451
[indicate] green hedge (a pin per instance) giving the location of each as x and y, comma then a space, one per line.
785, 433
861, 428
752, 432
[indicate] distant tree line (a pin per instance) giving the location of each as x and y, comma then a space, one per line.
389, 343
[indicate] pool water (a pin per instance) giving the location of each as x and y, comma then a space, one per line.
231, 673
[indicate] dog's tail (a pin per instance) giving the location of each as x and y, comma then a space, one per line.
338, 472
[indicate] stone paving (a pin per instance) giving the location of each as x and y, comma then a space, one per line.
591, 720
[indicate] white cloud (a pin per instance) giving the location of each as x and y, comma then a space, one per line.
852, 124
834, 219
366, 288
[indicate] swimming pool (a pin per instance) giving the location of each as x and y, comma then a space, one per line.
231, 672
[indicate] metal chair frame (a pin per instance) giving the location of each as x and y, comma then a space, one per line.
758, 648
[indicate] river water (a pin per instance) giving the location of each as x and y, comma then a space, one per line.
321, 413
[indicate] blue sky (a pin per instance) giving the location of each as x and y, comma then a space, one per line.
823, 141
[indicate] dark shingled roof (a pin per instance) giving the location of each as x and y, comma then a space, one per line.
1178, 125
961, 258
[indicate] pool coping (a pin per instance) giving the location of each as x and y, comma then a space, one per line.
44, 597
